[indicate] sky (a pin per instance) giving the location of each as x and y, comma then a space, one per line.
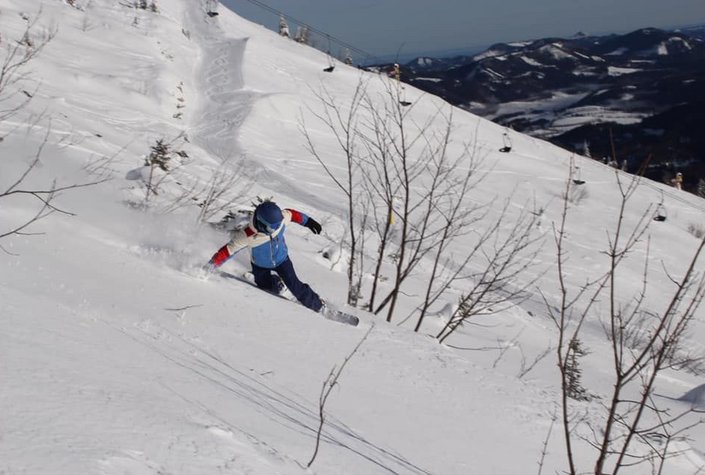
118, 356
415, 27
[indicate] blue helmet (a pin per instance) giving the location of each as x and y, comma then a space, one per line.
268, 217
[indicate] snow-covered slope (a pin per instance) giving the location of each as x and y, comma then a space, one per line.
116, 358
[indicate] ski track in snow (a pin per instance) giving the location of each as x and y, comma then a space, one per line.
225, 104
284, 407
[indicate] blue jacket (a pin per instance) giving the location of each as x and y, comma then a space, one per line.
266, 250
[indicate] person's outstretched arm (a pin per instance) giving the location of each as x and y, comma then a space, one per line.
304, 220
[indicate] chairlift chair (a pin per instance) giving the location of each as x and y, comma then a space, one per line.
397, 75
507, 143
577, 180
331, 66
211, 7
660, 214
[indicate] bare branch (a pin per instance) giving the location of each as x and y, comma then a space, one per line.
328, 385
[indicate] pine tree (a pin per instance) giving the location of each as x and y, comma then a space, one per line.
573, 372
159, 156
283, 27
302, 35
701, 188
586, 149
348, 57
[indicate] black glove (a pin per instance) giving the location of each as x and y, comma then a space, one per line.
313, 225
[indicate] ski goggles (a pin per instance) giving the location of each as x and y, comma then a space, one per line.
269, 228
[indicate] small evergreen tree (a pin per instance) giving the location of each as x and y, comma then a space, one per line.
145, 5
347, 57
283, 27
159, 156
302, 35
586, 149
574, 373
701, 188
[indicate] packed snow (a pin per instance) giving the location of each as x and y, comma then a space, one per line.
618, 52
429, 79
117, 354
556, 50
532, 62
617, 71
490, 53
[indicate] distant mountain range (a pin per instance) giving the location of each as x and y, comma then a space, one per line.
645, 89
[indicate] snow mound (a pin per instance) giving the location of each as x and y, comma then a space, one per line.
695, 396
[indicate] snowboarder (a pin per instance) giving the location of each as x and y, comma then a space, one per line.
678, 181
264, 235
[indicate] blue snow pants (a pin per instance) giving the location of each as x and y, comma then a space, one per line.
285, 270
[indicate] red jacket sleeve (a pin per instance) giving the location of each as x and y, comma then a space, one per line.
221, 256
297, 216
236, 244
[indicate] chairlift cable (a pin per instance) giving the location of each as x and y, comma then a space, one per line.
363, 53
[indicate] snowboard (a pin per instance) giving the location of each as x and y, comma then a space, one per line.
329, 313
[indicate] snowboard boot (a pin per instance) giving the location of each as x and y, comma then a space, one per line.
277, 285
325, 310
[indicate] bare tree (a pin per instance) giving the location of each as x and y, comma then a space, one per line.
526, 367
500, 258
411, 171
381, 184
225, 188
344, 125
643, 342
101, 166
415, 180
46, 196
328, 385
14, 72
457, 217
544, 448
14, 97
408, 167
